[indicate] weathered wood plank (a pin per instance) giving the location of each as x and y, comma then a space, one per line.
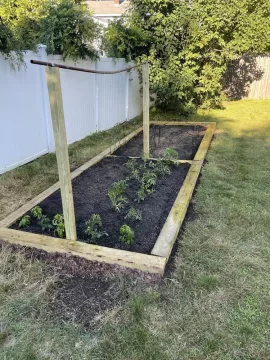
169, 232
146, 105
61, 149
147, 263
205, 143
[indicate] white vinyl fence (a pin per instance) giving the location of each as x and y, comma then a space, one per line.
92, 102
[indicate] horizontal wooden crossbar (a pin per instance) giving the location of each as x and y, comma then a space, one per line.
74, 68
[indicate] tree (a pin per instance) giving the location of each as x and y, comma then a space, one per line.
189, 44
68, 29
65, 26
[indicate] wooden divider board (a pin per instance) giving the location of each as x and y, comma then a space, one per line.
154, 263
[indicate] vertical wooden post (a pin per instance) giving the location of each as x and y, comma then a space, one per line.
61, 148
146, 145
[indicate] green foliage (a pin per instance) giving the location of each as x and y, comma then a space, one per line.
59, 224
141, 195
129, 45
134, 170
127, 235
160, 167
189, 44
170, 154
65, 26
68, 29
149, 180
36, 212
116, 194
94, 228
45, 223
25, 221
134, 214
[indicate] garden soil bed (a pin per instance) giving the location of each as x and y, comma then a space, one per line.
185, 139
90, 191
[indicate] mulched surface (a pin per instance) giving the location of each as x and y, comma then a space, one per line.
90, 196
184, 139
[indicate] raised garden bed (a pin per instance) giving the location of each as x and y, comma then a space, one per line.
162, 211
90, 193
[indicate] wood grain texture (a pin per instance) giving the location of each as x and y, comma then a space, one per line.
146, 105
61, 149
147, 263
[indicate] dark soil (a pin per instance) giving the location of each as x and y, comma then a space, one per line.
184, 139
90, 196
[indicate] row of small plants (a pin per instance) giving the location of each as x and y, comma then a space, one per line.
145, 174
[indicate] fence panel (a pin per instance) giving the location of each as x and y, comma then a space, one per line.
78, 90
91, 102
23, 134
260, 89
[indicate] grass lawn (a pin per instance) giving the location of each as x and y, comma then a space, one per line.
214, 303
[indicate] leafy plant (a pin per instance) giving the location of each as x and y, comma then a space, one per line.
170, 154
127, 235
116, 194
36, 212
141, 195
59, 224
161, 168
134, 214
134, 170
66, 27
25, 221
94, 228
45, 223
149, 180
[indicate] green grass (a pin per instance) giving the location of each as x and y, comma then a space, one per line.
213, 305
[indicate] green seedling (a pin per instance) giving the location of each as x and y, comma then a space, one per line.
94, 228
140, 195
25, 221
161, 168
36, 212
59, 224
134, 214
170, 154
132, 167
116, 194
149, 180
127, 235
45, 223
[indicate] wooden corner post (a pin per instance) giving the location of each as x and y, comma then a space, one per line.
61, 149
146, 104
